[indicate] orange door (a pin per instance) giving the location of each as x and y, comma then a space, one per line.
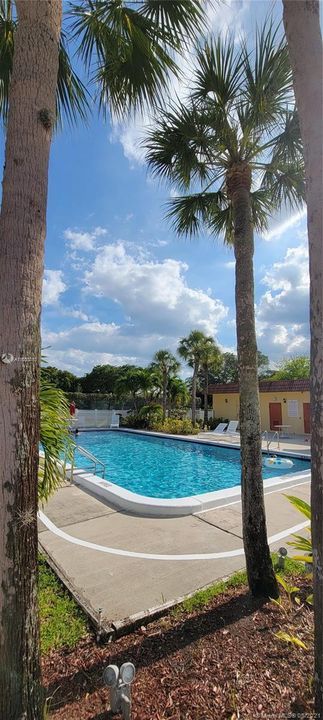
275, 415
307, 417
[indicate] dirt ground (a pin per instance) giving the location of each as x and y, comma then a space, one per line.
221, 662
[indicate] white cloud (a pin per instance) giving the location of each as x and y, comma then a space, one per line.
227, 17
53, 286
154, 294
283, 310
277, 231
74, 313
158, 308
83, 240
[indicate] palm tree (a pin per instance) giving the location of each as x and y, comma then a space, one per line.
178, 392
55, 439
238, 140
130, 51
136, 382
210, 362
302, 27
166, 365
191, 350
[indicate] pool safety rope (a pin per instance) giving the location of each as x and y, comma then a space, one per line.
151, 556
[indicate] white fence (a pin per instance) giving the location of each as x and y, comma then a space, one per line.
102, 418
199, 414
95, 418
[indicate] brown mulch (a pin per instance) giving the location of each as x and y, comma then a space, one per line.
219, 663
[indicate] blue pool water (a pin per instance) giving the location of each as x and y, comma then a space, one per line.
166, 468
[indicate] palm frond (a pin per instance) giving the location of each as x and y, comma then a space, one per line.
72, 97
287, 146
220, 222
189, 213
262, 206
218, 72
55, 440
268, 78
178, 147
176, 21
133, 53
286, 184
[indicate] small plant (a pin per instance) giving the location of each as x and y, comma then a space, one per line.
290, 590
302, 543
292, 639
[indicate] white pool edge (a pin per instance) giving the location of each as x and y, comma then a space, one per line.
174, 507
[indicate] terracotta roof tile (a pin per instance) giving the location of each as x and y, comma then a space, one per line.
300, 385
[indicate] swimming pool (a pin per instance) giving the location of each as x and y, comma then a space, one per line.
161, 467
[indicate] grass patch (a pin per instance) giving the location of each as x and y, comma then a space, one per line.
202, 597
292, 567
61, 621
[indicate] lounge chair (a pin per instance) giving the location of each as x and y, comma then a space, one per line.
115, 421
232, 428
219, 430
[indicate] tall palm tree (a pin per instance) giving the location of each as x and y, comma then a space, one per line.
178, 392
210, 362
166, 365
129, 49
302, 27
191, 350
237, 141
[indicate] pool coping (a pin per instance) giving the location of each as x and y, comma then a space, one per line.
136, 504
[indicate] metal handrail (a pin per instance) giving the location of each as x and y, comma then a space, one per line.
89, 456
265, 436
275, 435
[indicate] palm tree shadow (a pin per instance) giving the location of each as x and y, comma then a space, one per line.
155, 647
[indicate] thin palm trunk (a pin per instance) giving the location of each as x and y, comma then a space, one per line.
22, 235
206, 385
134, 399
302, 26
260, 572
164, 395
194, 385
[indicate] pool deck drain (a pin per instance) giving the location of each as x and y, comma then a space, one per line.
124, 587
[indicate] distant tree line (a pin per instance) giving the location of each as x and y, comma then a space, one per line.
160, 380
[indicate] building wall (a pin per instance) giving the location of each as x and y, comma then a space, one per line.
227, 406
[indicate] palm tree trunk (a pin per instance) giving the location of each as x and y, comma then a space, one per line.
134, 399
260, 572
164, 396
194, 385
22, 235
302, 27
206, 395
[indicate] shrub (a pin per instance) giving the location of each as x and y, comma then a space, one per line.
151, 413
174, 426
134, 421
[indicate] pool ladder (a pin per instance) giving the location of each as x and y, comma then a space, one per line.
265, 436
94, 460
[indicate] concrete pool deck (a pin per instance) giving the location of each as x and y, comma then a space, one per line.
124, 586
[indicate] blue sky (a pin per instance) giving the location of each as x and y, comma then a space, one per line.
120, 285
